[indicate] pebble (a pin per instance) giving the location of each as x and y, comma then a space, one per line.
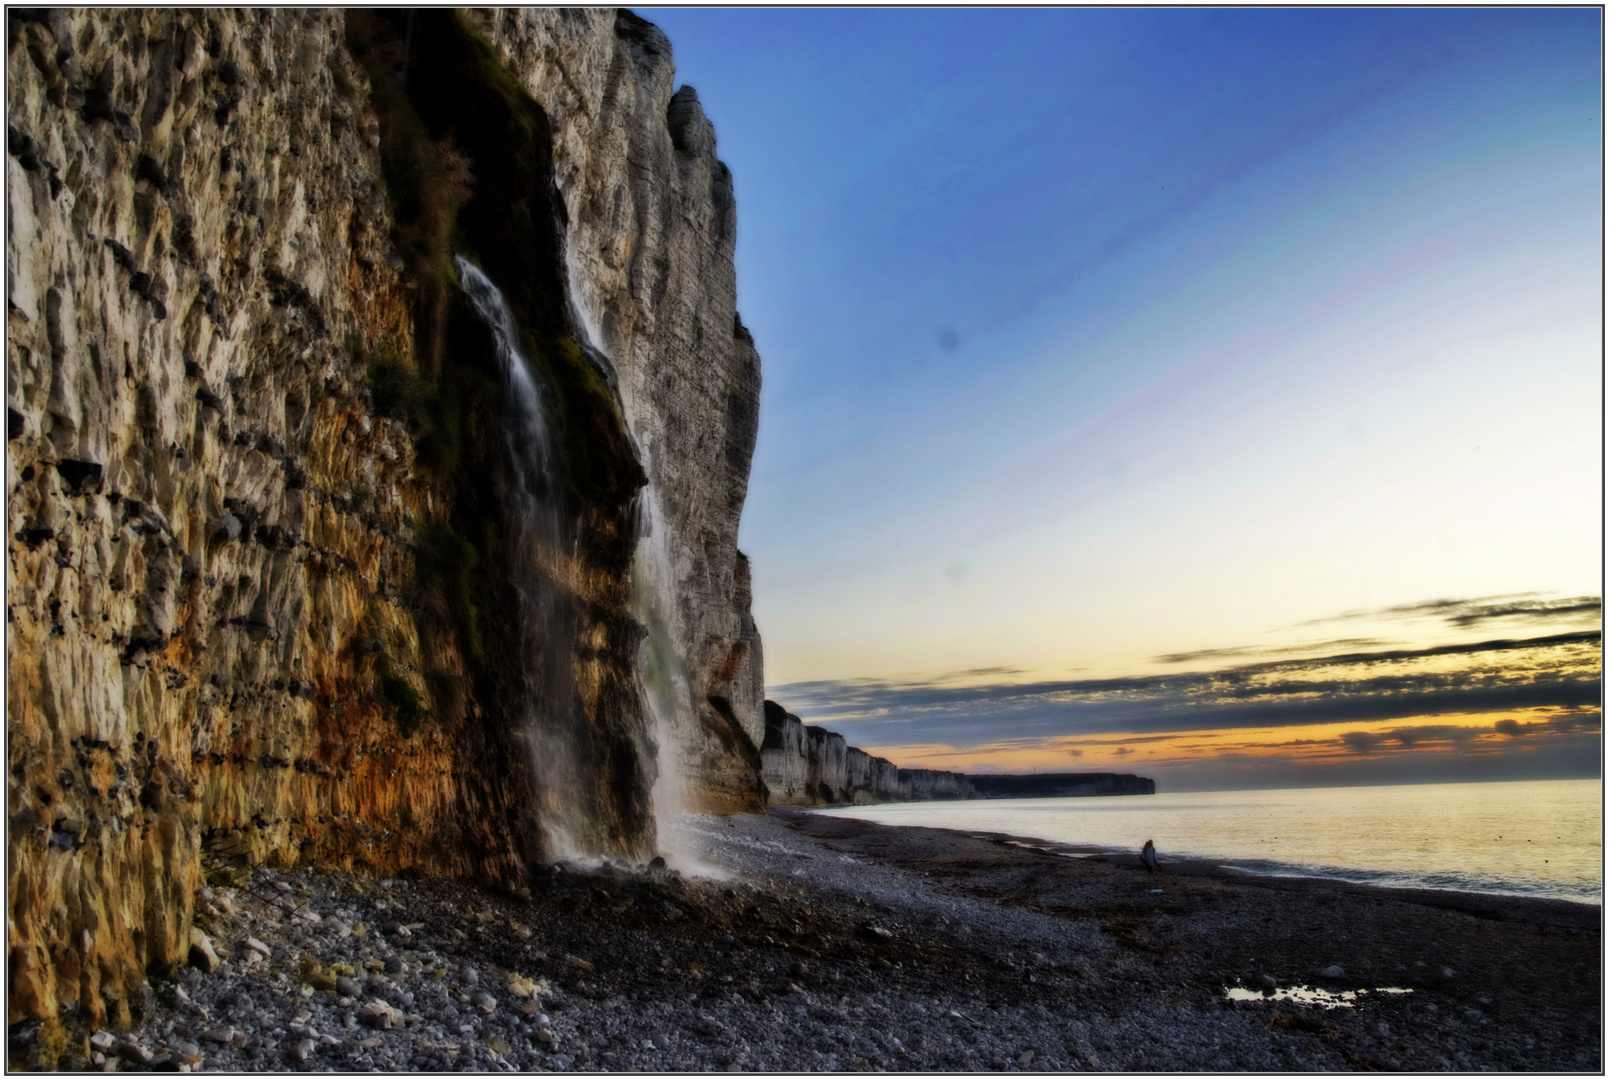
134, 1052
1334, 971
259, 948
377, 1014
202, 954
880, 1022
1267, 982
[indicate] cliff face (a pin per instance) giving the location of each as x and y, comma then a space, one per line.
651, 235
809, 766
259, 589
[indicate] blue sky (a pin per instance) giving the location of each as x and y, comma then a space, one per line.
1093, 336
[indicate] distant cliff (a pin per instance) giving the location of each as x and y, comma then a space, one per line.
810, 766
1048, 785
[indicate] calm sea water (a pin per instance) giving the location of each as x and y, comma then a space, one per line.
1531, 838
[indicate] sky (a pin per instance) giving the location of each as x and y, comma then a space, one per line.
1213, 394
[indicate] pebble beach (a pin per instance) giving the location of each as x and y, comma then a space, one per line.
813, 943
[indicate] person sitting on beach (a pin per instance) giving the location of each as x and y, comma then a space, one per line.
1148, 857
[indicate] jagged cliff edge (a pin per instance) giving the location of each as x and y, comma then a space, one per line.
258, 484
807, 765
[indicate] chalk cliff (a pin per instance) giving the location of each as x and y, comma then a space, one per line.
269, 592
806, 765
651, 235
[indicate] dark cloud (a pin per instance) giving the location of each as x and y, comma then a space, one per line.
1125, 739
1516, 607
1122, 750
1560, 671
1252, 650
1585, 720
1206, 654
1075, 753
1366, 742
1572, 755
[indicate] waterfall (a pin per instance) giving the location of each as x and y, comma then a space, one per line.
661, 668
550, 722
662, 672
540, 538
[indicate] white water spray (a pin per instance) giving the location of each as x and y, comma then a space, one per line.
661, 668
550, 721
550, 724
663, 674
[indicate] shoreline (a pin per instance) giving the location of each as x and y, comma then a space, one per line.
833, 944
1577, 877
1585, 913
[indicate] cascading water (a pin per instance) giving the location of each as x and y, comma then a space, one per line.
661, 668
538, 545
663, 673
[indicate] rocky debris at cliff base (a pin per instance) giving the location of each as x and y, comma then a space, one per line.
996, 957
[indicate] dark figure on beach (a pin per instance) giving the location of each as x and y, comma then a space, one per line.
1148, 857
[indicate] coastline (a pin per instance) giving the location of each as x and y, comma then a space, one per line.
834, 944
1542, 909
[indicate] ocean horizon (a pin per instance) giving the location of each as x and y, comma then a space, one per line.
1541, 838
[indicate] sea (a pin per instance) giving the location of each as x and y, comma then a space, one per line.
1521, 838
